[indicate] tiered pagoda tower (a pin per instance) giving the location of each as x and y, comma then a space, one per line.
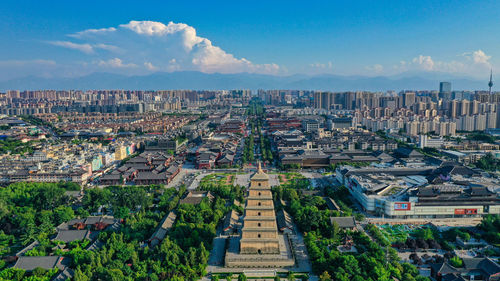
259, 232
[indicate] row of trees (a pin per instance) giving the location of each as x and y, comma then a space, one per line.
255, 108
481, 136
333, 167
264, 141
242, 277
248, 151
256, 113
265, 148
39, 122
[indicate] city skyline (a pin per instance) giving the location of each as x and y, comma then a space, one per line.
362, 38
272, 140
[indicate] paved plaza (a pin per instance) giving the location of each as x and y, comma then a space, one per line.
244, 180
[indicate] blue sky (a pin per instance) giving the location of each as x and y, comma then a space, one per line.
270, 37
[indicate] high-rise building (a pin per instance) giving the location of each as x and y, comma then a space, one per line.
444, 87
412, 128
408, 99
445, 90
453, 108
491, 120
475, 107
490, 84
479, 122
464, 107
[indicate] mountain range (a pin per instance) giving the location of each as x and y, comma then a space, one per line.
205, 81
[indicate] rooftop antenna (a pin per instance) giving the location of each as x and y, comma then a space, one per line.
490, 84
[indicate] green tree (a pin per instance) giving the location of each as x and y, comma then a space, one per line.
130, 197
121, 212
96, 197
409, 268
424, 233
4, 211
63, 214
325, 276
39, 272
456, 261
242, 277
408, 277
48, 197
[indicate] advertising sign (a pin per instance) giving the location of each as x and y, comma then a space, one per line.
465, 211
402, 206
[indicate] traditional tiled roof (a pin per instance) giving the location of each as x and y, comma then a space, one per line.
73, 235
284, 220
47, 262
230, 220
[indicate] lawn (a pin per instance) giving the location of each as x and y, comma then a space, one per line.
395, 233
294, 180
220, 179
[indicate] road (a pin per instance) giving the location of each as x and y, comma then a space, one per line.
196, 181
439, 221
181, 178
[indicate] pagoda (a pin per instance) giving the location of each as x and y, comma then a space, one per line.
259, 233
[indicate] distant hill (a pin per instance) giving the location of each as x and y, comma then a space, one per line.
204, 81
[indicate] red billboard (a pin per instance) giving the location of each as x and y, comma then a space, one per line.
402, 206
465, 211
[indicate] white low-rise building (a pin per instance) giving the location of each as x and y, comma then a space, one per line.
427, 192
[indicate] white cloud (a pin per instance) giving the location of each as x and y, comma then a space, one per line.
106, 47
13, 63
92, 31
475, 63
480, 57
424, 62
150, 66
86, 48
376, 68
318, 65
115, 63
155, 46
